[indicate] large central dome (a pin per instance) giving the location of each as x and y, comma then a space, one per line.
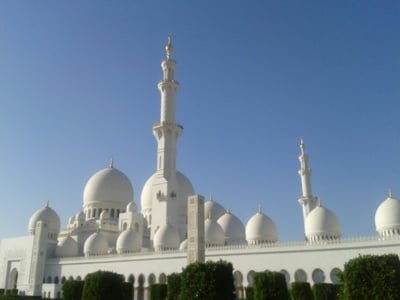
108, 186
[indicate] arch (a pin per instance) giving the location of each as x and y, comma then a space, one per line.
287, 276
125, 226
49, 279
300, 275
131, 278
118, 212
112, 213
238, 278
162, 278
318, 276
13, 283
79, 278
140, 289
151, 279
63, 279
70, 278
334, 275
94, 213
56, 280
250, 278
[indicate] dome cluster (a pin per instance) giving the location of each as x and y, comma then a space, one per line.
387, 217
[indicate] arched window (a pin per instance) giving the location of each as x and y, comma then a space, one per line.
250, 278
49, 279
287, 276
334, 275
112, 213
124, 226
70, 278
300, 275
131, 278
56, 280
318, 276
152, 279
63, 279
162, 278
94, 213
79, 278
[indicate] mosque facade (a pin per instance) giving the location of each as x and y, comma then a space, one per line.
111, 233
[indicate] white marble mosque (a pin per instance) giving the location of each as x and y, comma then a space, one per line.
146, 244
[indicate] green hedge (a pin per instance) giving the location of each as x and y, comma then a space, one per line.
16, 297
249, 293
158, 291
72, 289
325, 291
300, 290
103, 285
372, 277
270, 286
174, 286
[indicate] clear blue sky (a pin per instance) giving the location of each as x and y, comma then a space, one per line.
78, 86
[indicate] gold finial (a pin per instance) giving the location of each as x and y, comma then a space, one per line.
169, 48
390, 193
111, 166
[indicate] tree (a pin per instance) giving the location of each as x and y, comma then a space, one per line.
209, 281
72, 290
300, 290
372, 277
270, 286
174, 286
103, 285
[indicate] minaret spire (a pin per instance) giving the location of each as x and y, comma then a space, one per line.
167, 131
307, 200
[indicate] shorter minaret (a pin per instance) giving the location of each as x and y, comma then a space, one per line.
307, 200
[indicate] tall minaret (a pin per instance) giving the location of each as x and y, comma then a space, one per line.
307, 200
167, 131
168, 203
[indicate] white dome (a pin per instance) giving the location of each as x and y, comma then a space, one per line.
213, 233
184, 245
387, 216
48, 216
80, 216
166, 238
108, 186
96, 244
67, 247
322, 224
128, 242
185, 189
213, 209
131, 207
260, 229
233, 228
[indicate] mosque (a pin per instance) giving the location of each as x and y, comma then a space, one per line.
111, 233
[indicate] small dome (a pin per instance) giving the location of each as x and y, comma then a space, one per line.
71, 220
184, 245
131, 207
80, 216
213, 209
260, 229
108, 186
387, 217
67, 247
166, 238
128, 242
185, 188
233, 228
47, 215
213, 233
322, 224
96, 244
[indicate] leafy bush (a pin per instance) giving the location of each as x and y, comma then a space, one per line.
325, 291
174, 286
371, 277
72, 290
249, 293
158, 291
300, 290
270, 286
103, 285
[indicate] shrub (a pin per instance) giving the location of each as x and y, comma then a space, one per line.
72, 290
103, 285
174, 286
325, 291
300, 290
158, 291
270, 286
249, 293
371, 277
